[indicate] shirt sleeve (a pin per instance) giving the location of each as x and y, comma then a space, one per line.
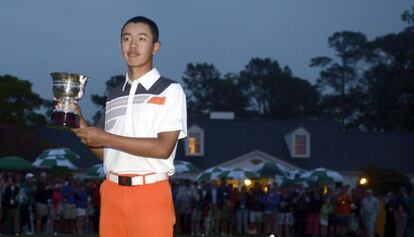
174, 114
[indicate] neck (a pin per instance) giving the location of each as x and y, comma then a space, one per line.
135, 73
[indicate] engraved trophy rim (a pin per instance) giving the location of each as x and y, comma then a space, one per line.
69, 75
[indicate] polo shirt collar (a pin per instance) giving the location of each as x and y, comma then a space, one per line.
146, 80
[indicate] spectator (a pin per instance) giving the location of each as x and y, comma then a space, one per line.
197, 212
285, 218
215, 209
400, 212
95, 202
300, 211
27, 204
343, 203
81, 202
271, 202
313, 218
233, 217
380, 223
326, 210
11, 204
57, 209
369, 212
186, 200
69, 207
42, 197
410, 217
242, 211
224, 206
256, 207
390, 205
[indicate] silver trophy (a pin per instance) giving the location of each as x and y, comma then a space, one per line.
67, 89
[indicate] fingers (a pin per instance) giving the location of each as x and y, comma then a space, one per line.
58, 106
81, 134
76, 108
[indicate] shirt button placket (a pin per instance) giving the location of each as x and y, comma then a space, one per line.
128, 128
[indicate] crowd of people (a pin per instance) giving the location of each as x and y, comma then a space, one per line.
219, 209
43, 203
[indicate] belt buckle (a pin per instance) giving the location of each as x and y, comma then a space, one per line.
124, 181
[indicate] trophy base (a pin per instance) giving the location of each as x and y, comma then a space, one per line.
64, 119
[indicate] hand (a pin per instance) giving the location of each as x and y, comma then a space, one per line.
91, 136
76, 108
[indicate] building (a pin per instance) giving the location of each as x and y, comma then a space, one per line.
295, 144
225, 141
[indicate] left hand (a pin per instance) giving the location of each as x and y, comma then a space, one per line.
91, 136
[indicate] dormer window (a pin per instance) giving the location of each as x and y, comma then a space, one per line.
194, 144
298, 143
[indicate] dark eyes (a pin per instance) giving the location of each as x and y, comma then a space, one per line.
140, 39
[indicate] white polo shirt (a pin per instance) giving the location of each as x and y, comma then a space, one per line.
143, 108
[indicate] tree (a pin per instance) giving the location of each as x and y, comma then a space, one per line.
385, 180
207, 91
408, 17
389, 81
18, 141
339, 80
19, 105
100, 100
275, 93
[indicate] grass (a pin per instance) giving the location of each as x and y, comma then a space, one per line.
72, 235
88, 235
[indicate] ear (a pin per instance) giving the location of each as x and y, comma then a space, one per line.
156, 47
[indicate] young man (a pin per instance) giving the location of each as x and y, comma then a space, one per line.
144, 118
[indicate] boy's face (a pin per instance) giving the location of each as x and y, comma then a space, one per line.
137, 45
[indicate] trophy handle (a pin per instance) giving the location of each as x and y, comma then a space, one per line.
82, 83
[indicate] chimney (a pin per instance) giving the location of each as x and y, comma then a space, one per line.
222, 115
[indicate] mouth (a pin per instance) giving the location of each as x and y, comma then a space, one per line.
133, 54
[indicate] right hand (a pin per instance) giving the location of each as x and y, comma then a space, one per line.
76, 108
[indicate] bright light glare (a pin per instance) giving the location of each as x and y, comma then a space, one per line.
247, 182
363, 181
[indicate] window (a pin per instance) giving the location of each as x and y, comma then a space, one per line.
194, 145
300, 145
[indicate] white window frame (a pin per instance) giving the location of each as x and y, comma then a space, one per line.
295, 143
200, 132
291, 142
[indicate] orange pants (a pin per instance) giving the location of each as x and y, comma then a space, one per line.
136, 211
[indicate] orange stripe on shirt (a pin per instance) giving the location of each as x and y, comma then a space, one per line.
157, 100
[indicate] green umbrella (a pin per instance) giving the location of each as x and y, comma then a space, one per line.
59, 152
238, 173
269, 169
14, 163
96, 170
211, 173
285, 182
59, 157
295, 174
323, 174
185, 167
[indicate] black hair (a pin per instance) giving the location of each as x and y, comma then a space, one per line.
141, 19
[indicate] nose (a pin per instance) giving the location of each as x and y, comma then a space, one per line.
134, 44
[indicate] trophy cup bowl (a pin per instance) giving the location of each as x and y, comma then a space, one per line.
67, 89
